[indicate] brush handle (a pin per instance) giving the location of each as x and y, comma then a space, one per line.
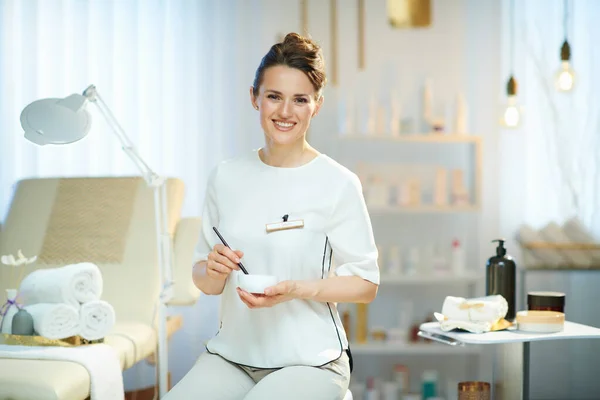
226, 245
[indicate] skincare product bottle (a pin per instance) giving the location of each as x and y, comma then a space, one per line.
429, 381
378, 192
372, 393
412, 261
500, 278
361, 323
394, 262
346, 321
457, 258
441, 187
461, 127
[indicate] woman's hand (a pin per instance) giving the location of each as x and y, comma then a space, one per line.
283, 291
221, 261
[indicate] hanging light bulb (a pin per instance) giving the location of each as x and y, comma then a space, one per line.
511, 112
565, 77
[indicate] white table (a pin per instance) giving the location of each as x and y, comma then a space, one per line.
511, 358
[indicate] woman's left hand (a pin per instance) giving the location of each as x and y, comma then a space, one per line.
273, 295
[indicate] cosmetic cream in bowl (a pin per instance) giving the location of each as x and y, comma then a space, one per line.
540, 321
256, 284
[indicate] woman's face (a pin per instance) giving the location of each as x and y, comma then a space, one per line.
286, 102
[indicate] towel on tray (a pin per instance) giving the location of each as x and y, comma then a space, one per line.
97, 318
72, 284
476, 315
54, 321
101, 361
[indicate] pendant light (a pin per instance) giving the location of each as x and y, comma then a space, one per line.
565, 76
511, 113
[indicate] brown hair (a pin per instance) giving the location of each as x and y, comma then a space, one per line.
295, 52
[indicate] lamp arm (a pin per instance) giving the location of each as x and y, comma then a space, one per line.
151, 177
164, 247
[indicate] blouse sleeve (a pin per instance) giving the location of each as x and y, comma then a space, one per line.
210, 218
351, 235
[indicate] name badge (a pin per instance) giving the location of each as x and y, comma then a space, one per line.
285, 224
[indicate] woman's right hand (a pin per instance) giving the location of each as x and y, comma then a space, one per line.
221, 261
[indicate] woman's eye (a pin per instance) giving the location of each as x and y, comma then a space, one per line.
301, 100
272, 96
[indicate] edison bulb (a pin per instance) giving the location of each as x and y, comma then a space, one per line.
511, 113
565, 77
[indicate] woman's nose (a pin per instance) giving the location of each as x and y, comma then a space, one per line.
286, 109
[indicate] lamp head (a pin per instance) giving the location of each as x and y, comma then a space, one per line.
56, 121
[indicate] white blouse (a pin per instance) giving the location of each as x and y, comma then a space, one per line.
243, 196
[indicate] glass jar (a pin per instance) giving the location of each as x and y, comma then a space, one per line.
473, 390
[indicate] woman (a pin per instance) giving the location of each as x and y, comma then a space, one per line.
287, 343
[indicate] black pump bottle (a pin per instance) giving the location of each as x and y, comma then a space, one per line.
500, 276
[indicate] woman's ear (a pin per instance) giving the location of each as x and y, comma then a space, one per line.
253, 98
318, 105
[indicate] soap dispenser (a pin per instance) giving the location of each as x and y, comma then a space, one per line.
500, 277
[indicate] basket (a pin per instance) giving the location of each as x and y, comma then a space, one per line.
18, 340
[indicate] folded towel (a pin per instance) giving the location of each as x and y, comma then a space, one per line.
54, 321
539, 257
553, 233
473, 327
101, 361
97, 318
578, 233
483, 309
72, 284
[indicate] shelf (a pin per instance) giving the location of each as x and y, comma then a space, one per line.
392, 348
427, 279
425, 208
417, 138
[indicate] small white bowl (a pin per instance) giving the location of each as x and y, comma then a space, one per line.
256, 284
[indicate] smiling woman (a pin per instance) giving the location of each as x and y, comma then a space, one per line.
287, 210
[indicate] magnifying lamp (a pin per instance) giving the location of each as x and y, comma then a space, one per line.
64, 121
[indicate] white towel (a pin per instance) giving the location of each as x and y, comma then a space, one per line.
101, 361
97, 318
72, 284
54, 321
483, 309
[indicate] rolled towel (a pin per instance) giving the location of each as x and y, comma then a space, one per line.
483, 309
97, 318
72, 284
54, 320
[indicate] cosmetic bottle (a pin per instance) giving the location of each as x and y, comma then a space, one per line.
500, 278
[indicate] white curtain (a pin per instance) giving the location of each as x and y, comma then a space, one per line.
176, 76
552, 164
155, 63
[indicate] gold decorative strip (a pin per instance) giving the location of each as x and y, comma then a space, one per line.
361, 34
334, 41
304, 16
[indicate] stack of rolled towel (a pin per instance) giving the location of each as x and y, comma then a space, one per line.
65, 302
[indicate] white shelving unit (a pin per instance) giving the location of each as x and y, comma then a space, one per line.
443, 149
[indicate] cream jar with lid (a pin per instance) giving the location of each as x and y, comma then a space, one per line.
540, 321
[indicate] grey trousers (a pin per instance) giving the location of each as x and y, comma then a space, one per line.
214, 378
